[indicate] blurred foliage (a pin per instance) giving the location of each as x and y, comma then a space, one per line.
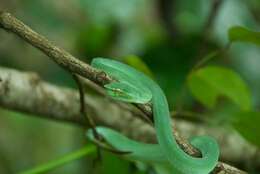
242, 34
138, 64
94, 40
112, 164
247, 124
120, 29
209, 83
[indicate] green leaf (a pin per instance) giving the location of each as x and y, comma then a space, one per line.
247, 124
238, 33
138, 64
209, 83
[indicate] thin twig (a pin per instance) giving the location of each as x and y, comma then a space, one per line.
190, 116
99, 141
211, 56
85, 115
83, 109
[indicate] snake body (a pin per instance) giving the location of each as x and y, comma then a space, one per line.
133, 86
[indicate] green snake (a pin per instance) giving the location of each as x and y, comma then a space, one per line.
133, 86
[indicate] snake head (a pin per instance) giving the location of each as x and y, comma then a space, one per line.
128, 85
127, 92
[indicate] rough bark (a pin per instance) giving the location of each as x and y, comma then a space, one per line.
26, 92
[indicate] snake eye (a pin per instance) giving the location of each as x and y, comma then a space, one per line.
118, 91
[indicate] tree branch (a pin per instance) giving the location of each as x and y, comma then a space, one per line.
27, 93
63, 104
60, 56
70, 63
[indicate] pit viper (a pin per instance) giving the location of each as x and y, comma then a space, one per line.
132, 86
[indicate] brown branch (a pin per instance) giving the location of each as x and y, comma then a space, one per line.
67, 61
89, 121
60, 56
62, 104
70, 63
83, 110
